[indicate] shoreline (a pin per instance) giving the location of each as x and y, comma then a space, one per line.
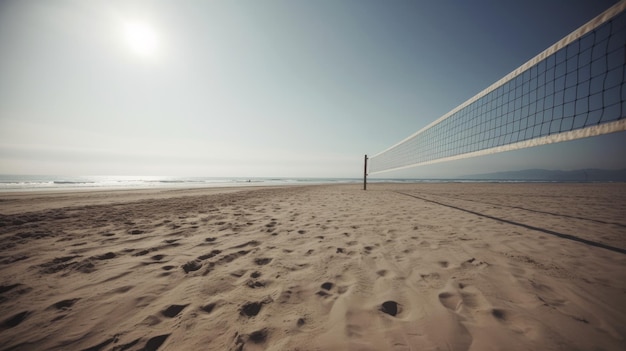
315, 267
19, 184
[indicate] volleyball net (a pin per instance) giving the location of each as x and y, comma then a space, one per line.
574, 89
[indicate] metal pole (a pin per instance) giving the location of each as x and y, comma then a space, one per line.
365, 174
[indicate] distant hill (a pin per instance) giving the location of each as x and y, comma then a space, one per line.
581, 175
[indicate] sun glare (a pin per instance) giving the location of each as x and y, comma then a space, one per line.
141, 38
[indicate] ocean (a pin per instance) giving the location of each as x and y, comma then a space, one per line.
10, 183
13, 183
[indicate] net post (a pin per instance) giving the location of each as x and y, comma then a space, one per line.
365, 174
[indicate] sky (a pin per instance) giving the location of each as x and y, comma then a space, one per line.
263, 88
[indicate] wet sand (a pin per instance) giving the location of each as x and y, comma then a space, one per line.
397, 267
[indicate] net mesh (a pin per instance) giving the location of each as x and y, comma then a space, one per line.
574, 89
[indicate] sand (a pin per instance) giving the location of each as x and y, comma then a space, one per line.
396, 267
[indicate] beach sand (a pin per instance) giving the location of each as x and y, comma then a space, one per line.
456, 266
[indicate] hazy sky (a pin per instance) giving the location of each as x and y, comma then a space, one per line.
263, 88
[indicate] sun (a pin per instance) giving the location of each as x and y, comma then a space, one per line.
141, 38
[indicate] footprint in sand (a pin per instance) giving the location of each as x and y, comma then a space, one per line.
258, 336
15, 320
255, 274
391, 308
64, 304
253, 284
209, 255
459, 295
327, 287
192, 266
474, 263
499, 314
208, 308
451, 301
173, 310
251, 309
154, 343
262, 261
141, 253
106, 256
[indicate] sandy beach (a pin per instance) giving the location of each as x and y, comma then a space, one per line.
448, 266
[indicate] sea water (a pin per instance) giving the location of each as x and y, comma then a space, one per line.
39, 182
9, 183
